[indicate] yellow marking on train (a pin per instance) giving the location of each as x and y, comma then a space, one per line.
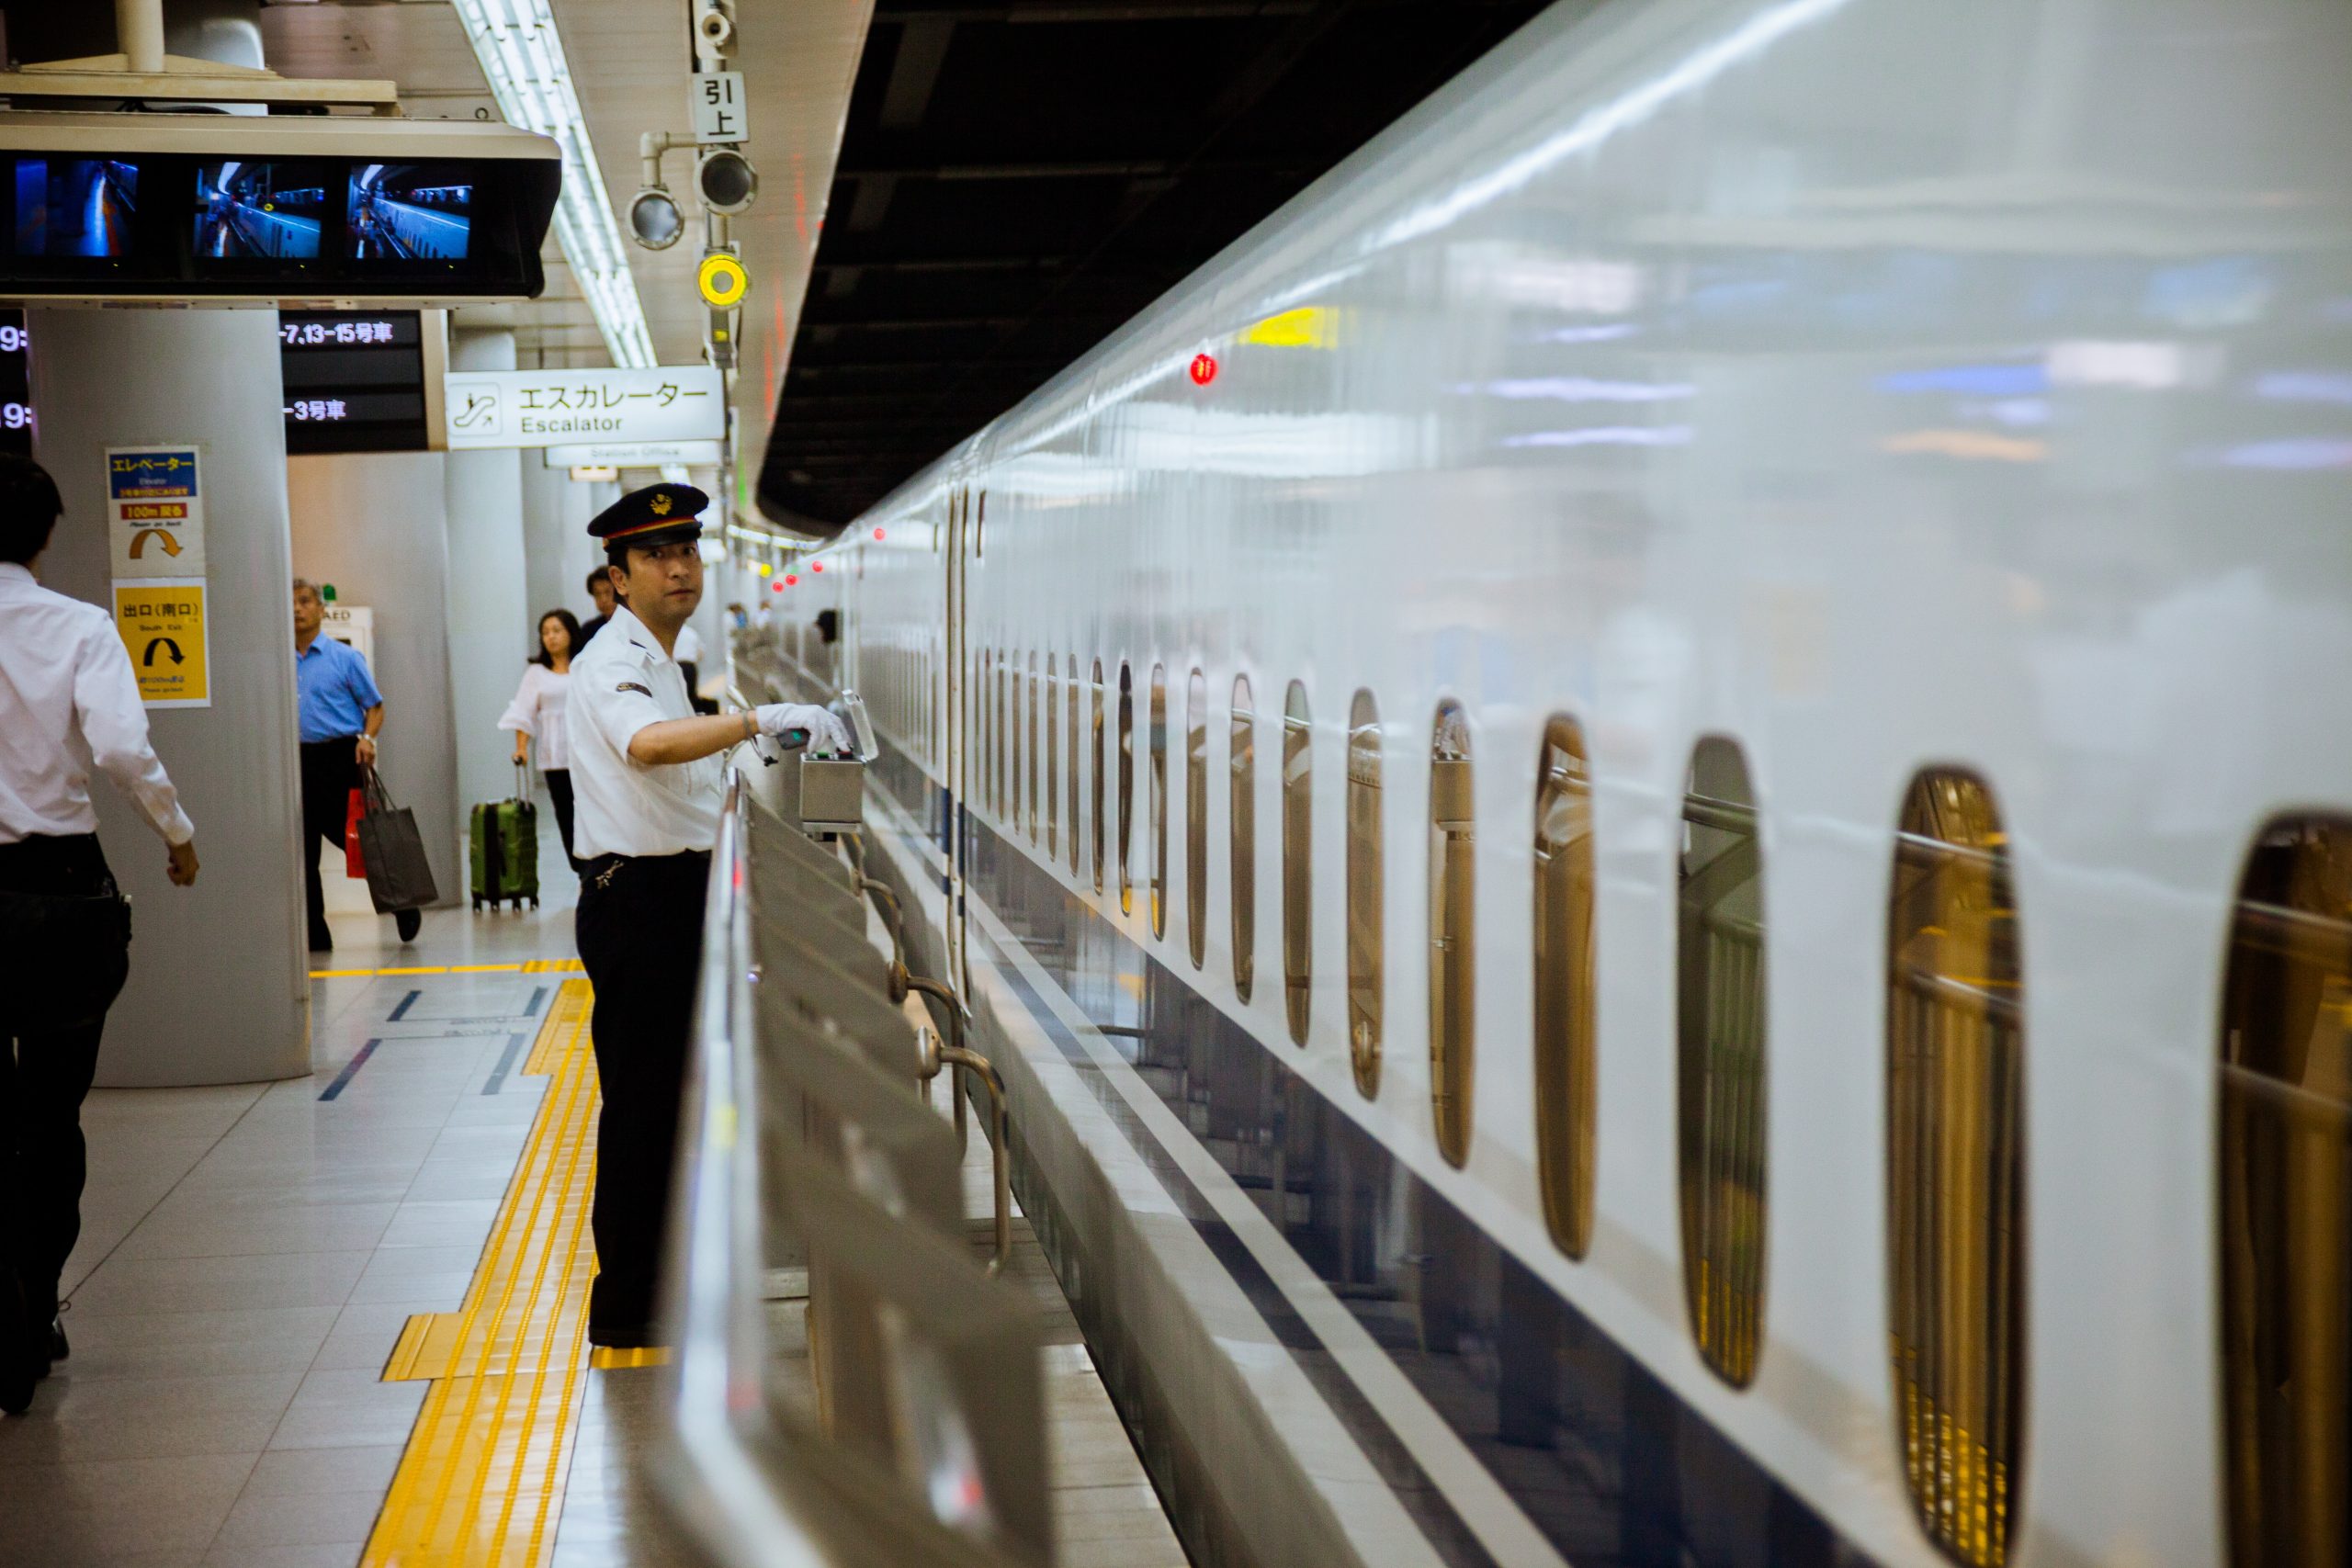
481, 1480
567, 1019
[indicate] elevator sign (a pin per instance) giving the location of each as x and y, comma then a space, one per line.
154, 512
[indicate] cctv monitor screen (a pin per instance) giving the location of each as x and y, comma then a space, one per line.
273, 209
75, 207
410, 212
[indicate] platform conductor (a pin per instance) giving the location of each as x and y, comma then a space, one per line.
647, 775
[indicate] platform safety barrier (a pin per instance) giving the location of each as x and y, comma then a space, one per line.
912, 1432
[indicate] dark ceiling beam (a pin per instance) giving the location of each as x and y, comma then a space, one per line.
1080, 169
943, 263
945, 324
914, 71
1051, 12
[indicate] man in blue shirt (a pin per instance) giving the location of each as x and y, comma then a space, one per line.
339, 711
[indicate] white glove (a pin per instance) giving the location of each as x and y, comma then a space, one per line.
821, 732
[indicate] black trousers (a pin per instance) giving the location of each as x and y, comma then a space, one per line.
560, 791
330, 772
640, 931
45, 1073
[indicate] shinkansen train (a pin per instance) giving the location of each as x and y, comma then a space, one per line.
1653, 805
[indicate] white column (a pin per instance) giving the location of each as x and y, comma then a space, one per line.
491, 614
220, 987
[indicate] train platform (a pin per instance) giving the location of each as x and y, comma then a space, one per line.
340, 1320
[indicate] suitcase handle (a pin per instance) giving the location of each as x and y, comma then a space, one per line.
521, 781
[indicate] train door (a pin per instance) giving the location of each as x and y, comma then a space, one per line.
959, 739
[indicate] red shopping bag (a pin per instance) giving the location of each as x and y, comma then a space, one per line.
353, 865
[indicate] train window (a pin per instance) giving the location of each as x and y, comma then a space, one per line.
2286, 1166
1036, 698
1365, 937
1955, 1166
1159, 741
1564, 983
1298, 870
1125, 740
1719, 1051
985, 749
1241, 807
1073, 764
1053, 758
1002, 746
1095, 764
1453, 931
1196, 814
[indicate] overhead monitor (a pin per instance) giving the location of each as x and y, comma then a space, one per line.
326, 210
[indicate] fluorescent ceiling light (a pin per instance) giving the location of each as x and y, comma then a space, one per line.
523, 56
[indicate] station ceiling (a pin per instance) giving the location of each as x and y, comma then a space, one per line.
1018, 177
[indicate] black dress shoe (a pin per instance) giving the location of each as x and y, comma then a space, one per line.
20, 1362
407, 923
57, 1348
635, 1336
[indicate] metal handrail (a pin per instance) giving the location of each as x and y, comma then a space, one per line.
751, 1487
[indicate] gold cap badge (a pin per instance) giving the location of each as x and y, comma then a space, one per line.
659, 505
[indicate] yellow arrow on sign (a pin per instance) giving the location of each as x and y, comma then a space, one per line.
139, 542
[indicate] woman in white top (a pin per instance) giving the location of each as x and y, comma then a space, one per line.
537, 710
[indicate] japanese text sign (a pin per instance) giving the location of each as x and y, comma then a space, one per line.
562, 408
154, 512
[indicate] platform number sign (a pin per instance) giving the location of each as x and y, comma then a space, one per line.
718, 106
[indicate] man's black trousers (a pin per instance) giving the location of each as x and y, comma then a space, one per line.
640, 931
45, 1070
330, 772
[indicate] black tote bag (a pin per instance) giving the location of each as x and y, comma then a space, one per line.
398, 876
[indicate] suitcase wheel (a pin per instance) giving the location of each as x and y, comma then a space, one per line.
477, 903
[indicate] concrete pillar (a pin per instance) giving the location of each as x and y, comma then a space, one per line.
220, 987
373, 525
491, 614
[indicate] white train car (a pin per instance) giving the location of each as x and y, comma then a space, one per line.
1654, 804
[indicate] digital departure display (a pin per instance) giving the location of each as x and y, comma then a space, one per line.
15, 386
75, 207
203, 225
274, 209
412, 211
353, 380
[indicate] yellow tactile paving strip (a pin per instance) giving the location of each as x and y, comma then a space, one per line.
481, 1481
536, 966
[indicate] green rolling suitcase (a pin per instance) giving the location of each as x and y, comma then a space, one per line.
505, 849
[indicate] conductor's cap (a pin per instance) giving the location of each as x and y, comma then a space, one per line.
657, 514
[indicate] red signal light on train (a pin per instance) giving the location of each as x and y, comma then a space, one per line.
777, 586
790, 578
877, 533
816, 566
1204, 369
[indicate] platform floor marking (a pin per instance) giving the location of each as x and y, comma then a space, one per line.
481, 1481
542, 965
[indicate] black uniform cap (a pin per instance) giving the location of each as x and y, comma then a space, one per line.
657, 514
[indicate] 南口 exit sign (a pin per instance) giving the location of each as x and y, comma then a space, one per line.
571, 407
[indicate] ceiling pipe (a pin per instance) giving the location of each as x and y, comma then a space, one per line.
139, 33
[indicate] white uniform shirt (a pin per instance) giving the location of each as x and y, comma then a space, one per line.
689, 649
537, 711
621, 683
70, 705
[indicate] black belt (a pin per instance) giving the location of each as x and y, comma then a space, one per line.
599, 870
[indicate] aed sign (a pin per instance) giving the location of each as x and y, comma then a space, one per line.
567, 407
154, 512
160, 622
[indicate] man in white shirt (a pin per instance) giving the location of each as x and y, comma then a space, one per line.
69, 706
648, 777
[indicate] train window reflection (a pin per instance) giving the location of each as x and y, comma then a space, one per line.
1363, 905
1453, 932
1073, 765
1241, 807
1720, 1043
1095, 766
1565, 984
1955, 1157
1196, 814
1298, 889
1159, 742
1127, 744
2286, 1199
